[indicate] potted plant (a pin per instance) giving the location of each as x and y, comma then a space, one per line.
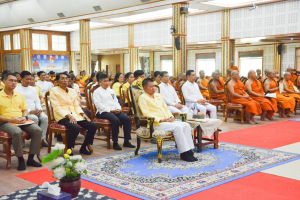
67, 169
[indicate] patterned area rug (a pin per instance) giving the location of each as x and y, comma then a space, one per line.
143, 177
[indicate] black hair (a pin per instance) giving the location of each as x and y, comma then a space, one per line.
57, 77
189, 72
138, 73
156, 73
71, 76
6, 71
71, 72
52, 72
116, 78
92, 76
16, 73
127, 75
100, 77
25, 73
146, 81
39, 73
163, 73
5, 76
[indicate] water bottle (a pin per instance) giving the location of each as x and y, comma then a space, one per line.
195, 109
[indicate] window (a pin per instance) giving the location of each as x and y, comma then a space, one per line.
59, 43
167, 64
206, 62
250, 60
16, 41
298, 59
6, 39
39, 41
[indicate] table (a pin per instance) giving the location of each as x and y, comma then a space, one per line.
205, 129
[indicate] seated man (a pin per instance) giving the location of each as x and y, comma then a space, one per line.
232, 67
217, 87
139, 77
43, 84
33, 103
13, 109
288, 86
220, 76
157, 78
193, 96
170, 96
287, 103
293, 76
152, 105
67, 112
203, 84
108, 107
238, 95
258, 77
256, 92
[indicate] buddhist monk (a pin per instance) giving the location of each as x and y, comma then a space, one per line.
232, 67
256, 92
203, 84
276, 75
258, 77
265, 76
293, 76
217, 87
220, 76
237, 92
288, 87
286, 103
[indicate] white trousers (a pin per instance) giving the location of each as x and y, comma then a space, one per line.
41, 121
182, 134
184, 109
203, 108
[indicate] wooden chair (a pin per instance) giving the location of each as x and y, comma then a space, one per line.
86, 91
215, 102
233, 106
54, 127
126, 110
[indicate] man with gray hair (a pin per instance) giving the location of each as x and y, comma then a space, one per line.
293, 76
217, 87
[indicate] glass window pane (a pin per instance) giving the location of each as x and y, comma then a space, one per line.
35, 37
62, 39
16, 41
62, 47
207, 65
44, 46
54, 39
55, 47
167, 65
6, 39
44, 38
250, 63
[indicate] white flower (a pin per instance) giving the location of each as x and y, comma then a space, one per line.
58, 161
80, 167
77, 157
51, 167
59, 173
58, 146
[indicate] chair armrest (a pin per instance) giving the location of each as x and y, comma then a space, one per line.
146, 120
183, 115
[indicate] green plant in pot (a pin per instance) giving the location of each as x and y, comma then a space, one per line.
67, 169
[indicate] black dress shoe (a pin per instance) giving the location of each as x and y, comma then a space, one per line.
192, 155
84, 151
186, 157
116, 146
128, 144
219, 130
44, 144
59, 138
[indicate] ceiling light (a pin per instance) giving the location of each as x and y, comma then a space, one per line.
253, 7
61, 15
30, 20
70, 27
234, 3
97, 8
165, 13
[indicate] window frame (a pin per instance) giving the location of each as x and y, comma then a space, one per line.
59, 43
48, 48
196, 63
10, 42
295, 65
262, 67
161, 62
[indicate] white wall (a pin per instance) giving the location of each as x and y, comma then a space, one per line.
157, 59
288, 56
126, 63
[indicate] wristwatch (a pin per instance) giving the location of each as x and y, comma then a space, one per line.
26, 117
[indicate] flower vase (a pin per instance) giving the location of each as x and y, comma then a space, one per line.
71, 186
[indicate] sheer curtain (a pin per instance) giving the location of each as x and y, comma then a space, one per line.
206, 62
12, 62
167, 64
250, 61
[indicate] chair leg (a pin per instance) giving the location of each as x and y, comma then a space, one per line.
99, 132
49, 141
159, 148
65, 141
199, 138
216, 139
107, 133
8, 154
223, 107
226, 115
138, 145
242, 116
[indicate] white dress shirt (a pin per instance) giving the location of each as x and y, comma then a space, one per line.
45, 86
169, 94
105, 100
31, 97
76, 87
191, 92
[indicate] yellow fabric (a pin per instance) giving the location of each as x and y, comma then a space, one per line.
84, 78
156, 83
116, 88
64, 103
154, 107
52, 78
125, 87
12, 107
38, 90
2, 85
138, 83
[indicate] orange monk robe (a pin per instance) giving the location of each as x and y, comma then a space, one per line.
222, 96
170, 82
205, 93
289, 85
293, 77
285, 102
80, 84
221, 80
235, 68
267, 104
251, 105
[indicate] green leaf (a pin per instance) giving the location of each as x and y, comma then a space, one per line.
51, 156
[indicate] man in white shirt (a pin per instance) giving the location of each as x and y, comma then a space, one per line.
43, 84
192, 96
170, 96
32, 99
108, 107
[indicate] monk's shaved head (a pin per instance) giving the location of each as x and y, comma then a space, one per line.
214, 73
234, 72
201, 71
266, 72
250, 72
270, 72
289, 69
287, 74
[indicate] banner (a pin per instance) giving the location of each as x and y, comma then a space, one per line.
49, 63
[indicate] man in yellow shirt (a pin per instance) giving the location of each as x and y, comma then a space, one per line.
67, 112
13, 110
52, 76
139, 77
83, 76
153, 105
157, 78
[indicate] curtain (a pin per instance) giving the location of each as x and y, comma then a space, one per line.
12, 62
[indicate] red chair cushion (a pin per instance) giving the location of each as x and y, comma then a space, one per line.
59, 126
143, 117
4, 134
126, 108
106, 121
217, 100
234, 105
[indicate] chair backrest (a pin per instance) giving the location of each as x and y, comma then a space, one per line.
226, 91
49, 108
1, 89
122, 97
209, 88
263, 84
86, 91
92, 106
244, 80
181, 95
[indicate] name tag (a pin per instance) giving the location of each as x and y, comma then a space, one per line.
113, 96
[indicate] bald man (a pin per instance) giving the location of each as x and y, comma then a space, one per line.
217, 87
286, 103
256, 92
203, 85
258, 76
237, 92
293, 76
232, 67
288, 86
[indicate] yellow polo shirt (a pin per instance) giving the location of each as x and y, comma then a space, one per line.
12, 107
154, 107
116, 88
156, 83
2, 85
125, 88
52, 78
84, 78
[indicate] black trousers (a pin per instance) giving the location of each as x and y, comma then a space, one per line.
116, 120
74, 131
